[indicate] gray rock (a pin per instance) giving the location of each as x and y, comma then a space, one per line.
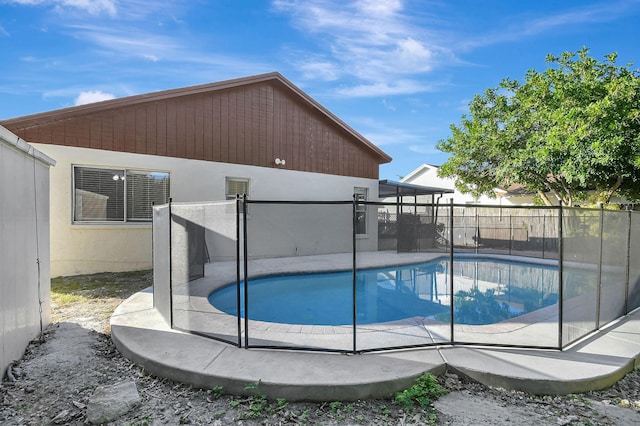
110, 402
61, 417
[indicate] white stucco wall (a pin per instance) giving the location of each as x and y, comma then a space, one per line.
88, 248
24, 239
427, 175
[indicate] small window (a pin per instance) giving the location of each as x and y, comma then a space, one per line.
236, 186
361, 210
117, 195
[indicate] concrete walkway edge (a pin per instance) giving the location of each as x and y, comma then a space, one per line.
141, 335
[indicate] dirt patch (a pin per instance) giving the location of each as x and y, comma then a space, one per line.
56, 378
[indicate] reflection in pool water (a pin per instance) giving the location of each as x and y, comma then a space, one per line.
485, 291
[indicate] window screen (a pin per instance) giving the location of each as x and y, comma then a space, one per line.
99, 194
361, 210
143, 190
105, 195
235, 186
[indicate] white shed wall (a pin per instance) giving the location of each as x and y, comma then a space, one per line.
24, 239
81, 248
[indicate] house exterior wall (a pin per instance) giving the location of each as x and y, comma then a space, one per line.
88, 248
239, 128
24, 239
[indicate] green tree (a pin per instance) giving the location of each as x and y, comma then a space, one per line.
570, 131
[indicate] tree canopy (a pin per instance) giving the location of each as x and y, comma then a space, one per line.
572, 131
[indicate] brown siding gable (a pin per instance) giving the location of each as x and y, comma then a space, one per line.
250, 120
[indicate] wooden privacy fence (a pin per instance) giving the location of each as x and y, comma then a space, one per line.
489, 229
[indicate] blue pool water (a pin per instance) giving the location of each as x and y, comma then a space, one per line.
485, 291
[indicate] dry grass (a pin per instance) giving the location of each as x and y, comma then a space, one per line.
94, 297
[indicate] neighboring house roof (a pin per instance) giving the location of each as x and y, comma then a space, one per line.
249, 120
420, 169
433, 180
512, 190
516, 189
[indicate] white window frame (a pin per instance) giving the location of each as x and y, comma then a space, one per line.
121, 174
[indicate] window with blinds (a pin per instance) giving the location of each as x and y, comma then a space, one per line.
234, 186
143, 190
117, 195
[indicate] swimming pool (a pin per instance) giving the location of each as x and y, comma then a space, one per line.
486, 290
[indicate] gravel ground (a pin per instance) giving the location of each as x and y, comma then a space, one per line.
56, 378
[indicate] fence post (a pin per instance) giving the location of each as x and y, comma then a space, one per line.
560, 277
170, 269
544, 235
464, 228
246, 271
451, 234
599, 288
238, 293
153, 250
398, 212
477, 230
354, 224
510, 232
628, 272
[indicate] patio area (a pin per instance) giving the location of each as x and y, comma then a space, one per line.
142, 335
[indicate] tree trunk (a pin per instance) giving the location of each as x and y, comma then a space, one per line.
609, 193
544, 197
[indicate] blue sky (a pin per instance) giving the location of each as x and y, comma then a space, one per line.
399, 72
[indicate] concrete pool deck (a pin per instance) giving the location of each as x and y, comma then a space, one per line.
141, 334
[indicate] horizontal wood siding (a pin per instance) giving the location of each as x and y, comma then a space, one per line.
252, 124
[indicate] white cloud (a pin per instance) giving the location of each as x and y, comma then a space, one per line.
127, 9
319, 69
415, 54
4, 32
383, 134
377, 7
528, 26
136, 43
424, 149
94, 7
463, 105
92, 96
127, 42
27, 2
388, 105
384, 88
603, 12
376, 42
